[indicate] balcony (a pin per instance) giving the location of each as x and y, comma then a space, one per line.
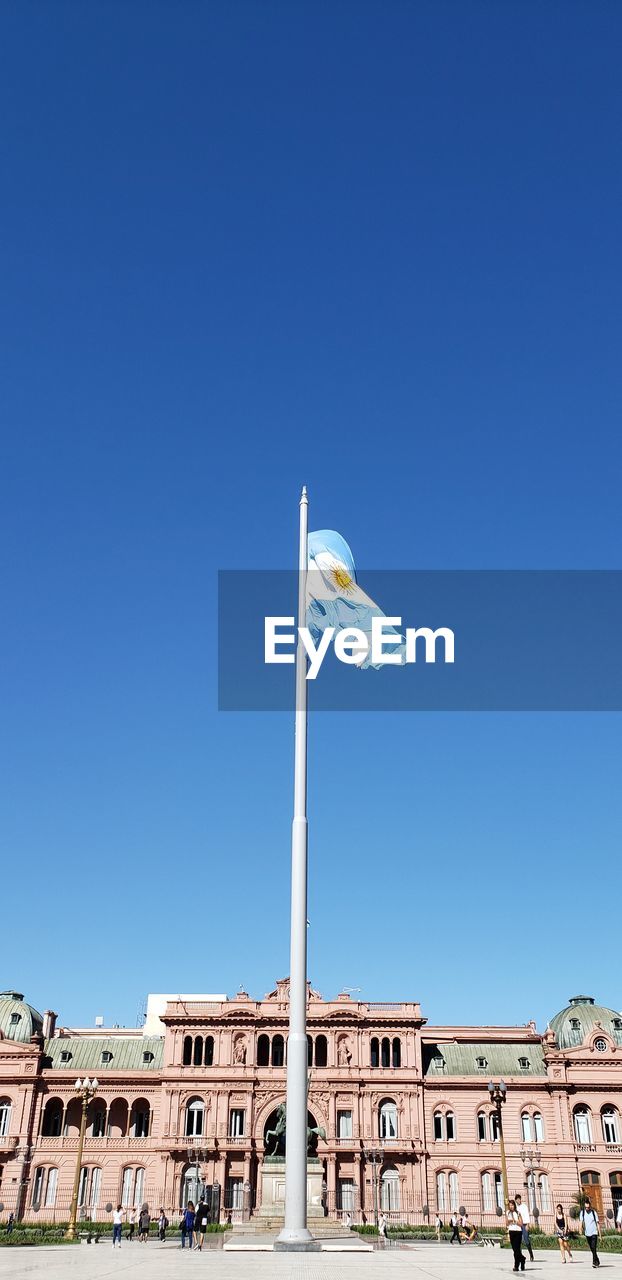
8, 1144
69, 1142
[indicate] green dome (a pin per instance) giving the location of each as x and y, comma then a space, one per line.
18, 1021
574, 1023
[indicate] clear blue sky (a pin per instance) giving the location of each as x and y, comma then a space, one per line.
374, 248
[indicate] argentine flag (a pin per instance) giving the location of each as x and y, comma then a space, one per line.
334, 598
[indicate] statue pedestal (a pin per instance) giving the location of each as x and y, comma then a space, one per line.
273, 1189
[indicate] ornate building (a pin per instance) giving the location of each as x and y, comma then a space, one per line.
187, 1102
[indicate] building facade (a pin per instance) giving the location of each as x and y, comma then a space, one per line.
185, 1104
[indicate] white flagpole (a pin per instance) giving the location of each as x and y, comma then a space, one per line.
295, 1233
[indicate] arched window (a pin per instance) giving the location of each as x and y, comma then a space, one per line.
481, 1126
88, 1189
52, 1118
5, 1116
582, 1125
441, 1192
309, 1051
141, 1115
197, 1054
195, 1111
492, 1191
610, 1125
615, 1182
396, 1052
525, 1124
98, 1120
208, 1056
450, 1126
390, 1191
438, 1126
133, 1187
263, 1051
494, 1126
118, 1115
278, 1051
375, 1055
388, 1119
454, 1192
385, 1057
545, 1193
187, 1058
538, 1126
44, 1188
321, 1051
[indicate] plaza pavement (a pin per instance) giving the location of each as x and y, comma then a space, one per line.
167, 1262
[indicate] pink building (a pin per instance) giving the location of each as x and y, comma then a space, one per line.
405, 1106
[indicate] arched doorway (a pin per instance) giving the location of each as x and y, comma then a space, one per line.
590, 1185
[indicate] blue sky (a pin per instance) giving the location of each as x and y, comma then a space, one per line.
371, 248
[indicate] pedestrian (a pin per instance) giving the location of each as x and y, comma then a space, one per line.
201, 1218
143, 1225
347, 1220
515, 1230
454, 1223
588, 1218
162, 1225
561, 1231
619, 1217
525, 1217
438, 1226
187, 1225
117, 1226
131, 1224
382, 1226
10, 1223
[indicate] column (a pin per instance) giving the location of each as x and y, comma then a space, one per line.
331, 1184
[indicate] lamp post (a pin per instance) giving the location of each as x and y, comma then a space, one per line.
195, 1155
498, 1094
375, 1158
85, 1089
531, 1157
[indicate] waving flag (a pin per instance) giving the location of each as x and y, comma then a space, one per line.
334, 598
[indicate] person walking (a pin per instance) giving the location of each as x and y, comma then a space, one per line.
525, 1217
131, 1224
438, 1226
162, 1225
117, 1226
619, 1217
454, 1223
10, 1223
382, 1226
187, 1225
561, 1231
201, 1218
143, 1225
588, 1218
515, 1231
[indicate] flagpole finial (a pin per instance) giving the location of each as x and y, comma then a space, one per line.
303, 496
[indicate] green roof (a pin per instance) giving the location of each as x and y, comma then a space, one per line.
580, 1018
128, 1053
502, 1059
18, 1020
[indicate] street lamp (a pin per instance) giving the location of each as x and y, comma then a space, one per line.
531, 1158
195, 1154
85, 1089
374, 1158
498, 1094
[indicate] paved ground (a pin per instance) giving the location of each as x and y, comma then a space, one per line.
167, 1262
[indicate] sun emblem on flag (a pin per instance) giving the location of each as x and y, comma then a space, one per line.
341, 578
